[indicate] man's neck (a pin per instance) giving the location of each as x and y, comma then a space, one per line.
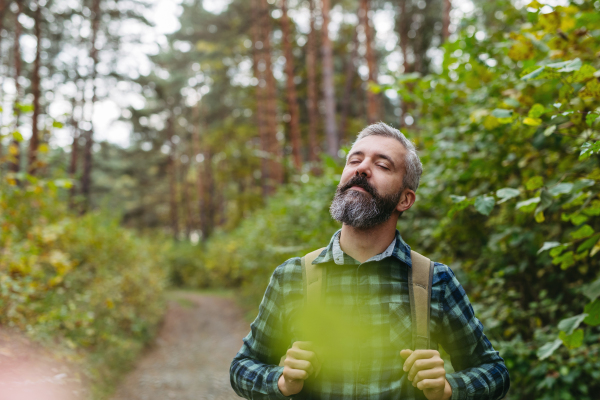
362, 244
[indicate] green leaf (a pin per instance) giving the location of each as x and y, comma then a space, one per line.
592, 290
573, 340
457, 199
57, 124
532, 121
536, 111
583, 232
485, 204
549, 130
25, 108
535, 182
557, 250
593, 311
506, 194
533, 75
17, 136
502, 113
566, 66
561, 188
548, 246
589, 243
585, 72
568, 325
528, 205
546, 350
545, 201
580, 184
578, 219
591, 118
565, 260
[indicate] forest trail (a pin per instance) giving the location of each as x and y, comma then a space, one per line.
191, 355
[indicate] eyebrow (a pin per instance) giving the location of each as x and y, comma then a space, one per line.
378, 155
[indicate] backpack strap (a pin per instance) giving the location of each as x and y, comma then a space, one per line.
312, 276
419, 287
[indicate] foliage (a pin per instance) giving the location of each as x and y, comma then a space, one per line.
83, 282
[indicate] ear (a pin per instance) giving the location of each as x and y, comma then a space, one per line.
407, 199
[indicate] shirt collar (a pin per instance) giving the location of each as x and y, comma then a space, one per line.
333, 252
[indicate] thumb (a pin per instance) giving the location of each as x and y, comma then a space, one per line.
405, 353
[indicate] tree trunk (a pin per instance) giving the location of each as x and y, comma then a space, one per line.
446, 20
89, 135
275, 153
200, 170
372, 100
333, 140
35, 90
3, 6
403, 26
291, 89
209, 188
311, 71
15, 146
259, 73
349, 80
185, 198
74, 152
172, 176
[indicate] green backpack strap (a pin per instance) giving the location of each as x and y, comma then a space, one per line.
419, 287
312, 276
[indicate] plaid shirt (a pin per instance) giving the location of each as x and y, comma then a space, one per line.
376, 292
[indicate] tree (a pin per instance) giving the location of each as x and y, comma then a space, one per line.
89, 134
312, 97
292, 101
35, 90
331, 132
372, 100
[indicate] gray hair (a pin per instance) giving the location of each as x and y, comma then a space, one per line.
412, 164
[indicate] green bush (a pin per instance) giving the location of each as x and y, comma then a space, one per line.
81, 281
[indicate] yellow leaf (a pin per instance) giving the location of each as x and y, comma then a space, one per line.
539, 217
110, 303
595, 249
532, 121
43, 148
13, 150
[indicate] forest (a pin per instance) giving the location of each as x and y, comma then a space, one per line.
228, 141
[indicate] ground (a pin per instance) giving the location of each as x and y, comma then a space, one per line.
191, 356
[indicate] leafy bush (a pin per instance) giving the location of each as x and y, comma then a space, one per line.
85, 282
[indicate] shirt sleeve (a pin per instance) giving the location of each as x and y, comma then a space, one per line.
254, 371
481, 373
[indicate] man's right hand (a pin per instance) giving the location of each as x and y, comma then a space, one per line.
300, 363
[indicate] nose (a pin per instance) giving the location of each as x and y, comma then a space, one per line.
363, 169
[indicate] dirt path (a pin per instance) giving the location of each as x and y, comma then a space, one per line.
190, 359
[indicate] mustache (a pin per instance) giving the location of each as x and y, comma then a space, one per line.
361, 182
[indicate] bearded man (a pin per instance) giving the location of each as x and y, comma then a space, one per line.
360, 348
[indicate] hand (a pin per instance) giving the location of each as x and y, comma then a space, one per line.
426, 372
300, 363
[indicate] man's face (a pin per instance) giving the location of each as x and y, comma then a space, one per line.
370, 189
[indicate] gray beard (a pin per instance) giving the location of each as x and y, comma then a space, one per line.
361, 210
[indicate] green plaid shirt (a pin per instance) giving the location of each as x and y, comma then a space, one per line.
375, 293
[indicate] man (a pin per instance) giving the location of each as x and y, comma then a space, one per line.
366, 268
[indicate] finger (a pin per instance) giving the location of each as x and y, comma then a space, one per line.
405, 353
421, 365
299, 364
417, 355
432, 384
433, 373
301, 354
304, 346
291, 374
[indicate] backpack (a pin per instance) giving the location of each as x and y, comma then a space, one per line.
419, 286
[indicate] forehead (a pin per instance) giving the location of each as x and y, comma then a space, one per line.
374, 144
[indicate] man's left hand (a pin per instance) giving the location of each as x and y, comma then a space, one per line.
426, 371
